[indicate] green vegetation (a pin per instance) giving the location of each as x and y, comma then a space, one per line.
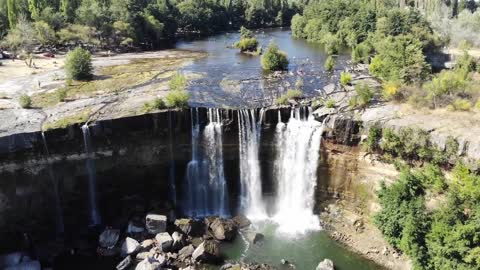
248, 42
391, 90
291, 94
178, 82
273, 59
25, 101
78, 65
443, 238
177, 99
329, 63
363, 97
61, 94
80, 117
345, 78
156, 104
372, 143
125, 23
330, 103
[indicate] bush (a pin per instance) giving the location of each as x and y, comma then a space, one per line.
330, 103
61, 94
247, 45
156, 104
361, 53
345, 78
391, 90
25, 101
373, 138
291, 94
246, 33
329, 64
178, 82
78, 65
273, 59
460, 105
363, 97
432, 177
177, 99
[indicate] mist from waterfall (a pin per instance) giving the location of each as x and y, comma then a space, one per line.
92, 179
206, 186
298, 146
249, 130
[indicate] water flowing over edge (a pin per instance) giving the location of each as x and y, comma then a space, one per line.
298, 150
249, 131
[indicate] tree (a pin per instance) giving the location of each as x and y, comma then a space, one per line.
298, 25
21, 38
44, 33
273, 59
78, 64
12, 13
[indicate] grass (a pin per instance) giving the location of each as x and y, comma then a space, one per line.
69, 120
291, 94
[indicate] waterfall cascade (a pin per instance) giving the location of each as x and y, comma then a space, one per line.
92, 179
249, 130
298, 145
60, 228
206, 185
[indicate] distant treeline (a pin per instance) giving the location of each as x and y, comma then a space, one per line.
134, 22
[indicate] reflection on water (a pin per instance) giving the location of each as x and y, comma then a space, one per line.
235, 80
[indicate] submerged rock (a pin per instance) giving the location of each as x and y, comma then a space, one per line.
326, 264
207, 252
224, 229
109, 238
253, 237
156, 223
165, 241
130, 246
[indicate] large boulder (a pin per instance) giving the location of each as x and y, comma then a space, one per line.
207, 252
326, 264
242, 221
224, 229
125, 263
178, 241
164, 241
253, 237
151, 263
185, 252
156, 223
109, 238
130, 246
190, 227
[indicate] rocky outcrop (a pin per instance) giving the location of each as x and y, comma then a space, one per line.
207, 252
156, 223
224, 229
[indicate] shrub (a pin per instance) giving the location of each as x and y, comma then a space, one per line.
345, 78
291, 94
25, 101
247, 45
460, 105
299, 84
61, 94
361, 53
373, 138
156, 104
177, 99
178, 82
363, 97
78, 65
245, 33
431, 176
273, 59
329, 64
391, 90
330, 103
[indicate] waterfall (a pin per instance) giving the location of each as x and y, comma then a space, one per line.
298, 147
250, 182
59, 225
206, 185
92, 180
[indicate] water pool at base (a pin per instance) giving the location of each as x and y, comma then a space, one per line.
305, 251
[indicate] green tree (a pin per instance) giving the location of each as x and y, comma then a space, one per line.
78, 64
12, 13
298, 25
273, 59
44, 33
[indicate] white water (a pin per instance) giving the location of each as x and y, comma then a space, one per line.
298, 146
251, 185
206, 185
92, 180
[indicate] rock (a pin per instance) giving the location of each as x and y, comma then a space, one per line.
178, 241
150, 263
143, 255
223, 229
134, 228
326, 264
242, 221
130, 246
31, 265
156, 223
207, 252
190, 227
165, 241
283, 261
185, 252
109, 238
13, 258
125, 263
147, 244
253, 237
